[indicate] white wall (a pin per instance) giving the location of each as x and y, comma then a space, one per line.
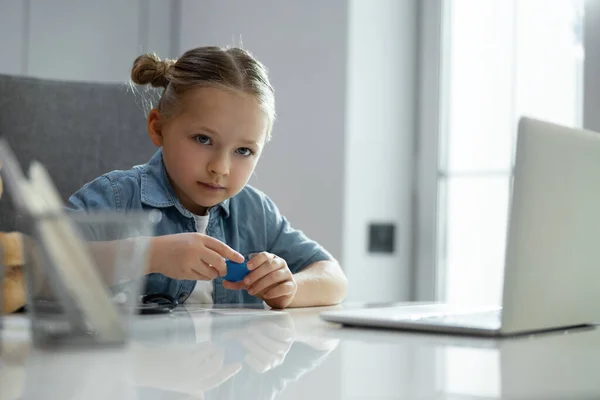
379, 144
12, 32
303, 44
591, 96
81, 39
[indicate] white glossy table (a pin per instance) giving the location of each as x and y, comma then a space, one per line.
197, 353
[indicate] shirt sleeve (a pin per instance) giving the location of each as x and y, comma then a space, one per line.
97, 195
120, 263
288, 243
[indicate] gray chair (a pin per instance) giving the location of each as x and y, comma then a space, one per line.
78, 130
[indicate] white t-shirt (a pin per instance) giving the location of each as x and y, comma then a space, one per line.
202, 293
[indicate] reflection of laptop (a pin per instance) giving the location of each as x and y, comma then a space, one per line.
499, 368
552, 269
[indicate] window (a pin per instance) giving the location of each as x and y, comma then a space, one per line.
503, 59
498, 60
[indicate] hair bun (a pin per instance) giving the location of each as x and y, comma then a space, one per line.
150, 69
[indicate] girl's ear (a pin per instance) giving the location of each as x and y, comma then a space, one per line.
155, 127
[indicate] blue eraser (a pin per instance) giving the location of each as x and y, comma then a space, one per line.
236, 271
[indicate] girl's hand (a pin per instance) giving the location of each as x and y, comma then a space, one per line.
191, 256
269, 279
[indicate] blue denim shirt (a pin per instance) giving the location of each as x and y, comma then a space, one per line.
248, 222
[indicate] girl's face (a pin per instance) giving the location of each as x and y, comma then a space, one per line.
210, 145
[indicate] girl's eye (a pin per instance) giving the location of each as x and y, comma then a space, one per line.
244, 151
202, 139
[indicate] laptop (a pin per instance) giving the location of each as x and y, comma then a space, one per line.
552, 263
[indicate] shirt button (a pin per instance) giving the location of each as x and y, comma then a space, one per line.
155, 216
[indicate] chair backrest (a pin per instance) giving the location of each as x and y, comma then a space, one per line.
78, 130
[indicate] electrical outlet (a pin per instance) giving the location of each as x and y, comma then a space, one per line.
381, 237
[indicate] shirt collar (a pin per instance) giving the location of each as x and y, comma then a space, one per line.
158, 192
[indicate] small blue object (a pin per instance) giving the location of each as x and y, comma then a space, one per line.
236, 271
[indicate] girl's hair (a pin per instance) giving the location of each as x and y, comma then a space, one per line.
231, 68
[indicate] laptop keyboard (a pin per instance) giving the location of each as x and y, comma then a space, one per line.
482, 320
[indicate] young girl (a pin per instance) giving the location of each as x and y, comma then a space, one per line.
211, 125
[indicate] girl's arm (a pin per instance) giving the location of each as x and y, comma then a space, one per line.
322, 283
